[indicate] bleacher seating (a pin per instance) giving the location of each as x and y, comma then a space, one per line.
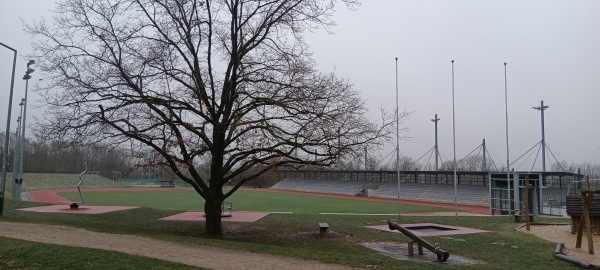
466, 194
555, 196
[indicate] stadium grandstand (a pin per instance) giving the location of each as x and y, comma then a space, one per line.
487, 189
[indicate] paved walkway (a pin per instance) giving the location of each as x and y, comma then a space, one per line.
195, 255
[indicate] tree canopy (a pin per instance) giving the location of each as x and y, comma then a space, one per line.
232, 81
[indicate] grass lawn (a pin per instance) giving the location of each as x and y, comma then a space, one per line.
48, 257
284, 234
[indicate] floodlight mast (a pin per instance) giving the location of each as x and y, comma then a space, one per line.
7, 130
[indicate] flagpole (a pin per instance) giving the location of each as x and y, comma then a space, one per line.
397, 140
507, 148
454, 145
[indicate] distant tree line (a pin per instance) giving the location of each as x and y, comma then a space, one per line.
63, 157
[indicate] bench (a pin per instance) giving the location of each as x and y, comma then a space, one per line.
167, 183
323, 229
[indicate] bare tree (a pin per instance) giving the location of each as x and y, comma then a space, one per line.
586, 168
232, 81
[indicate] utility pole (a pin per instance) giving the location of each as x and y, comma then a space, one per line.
435, 120
542, 108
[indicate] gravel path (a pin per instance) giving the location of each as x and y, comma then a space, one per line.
562, 234
202, 256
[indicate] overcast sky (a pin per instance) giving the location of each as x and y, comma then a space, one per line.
552, 50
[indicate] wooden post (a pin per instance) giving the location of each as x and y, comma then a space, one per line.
588, 225
587, 196
527, 219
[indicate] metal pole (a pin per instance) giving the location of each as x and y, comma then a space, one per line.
16, 153
507, 148
454, 146
436, 120
23, 128
16, 157
484, 161
542, 108
7, 130
22, 146
397, 140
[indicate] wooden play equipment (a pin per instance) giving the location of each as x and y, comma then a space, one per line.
585, 220
587, 197
442, 255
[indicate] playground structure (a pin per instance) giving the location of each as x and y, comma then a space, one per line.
442, 255
75, 205
584, 211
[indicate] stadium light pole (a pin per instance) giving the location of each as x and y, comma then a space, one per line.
7, 130
26, 77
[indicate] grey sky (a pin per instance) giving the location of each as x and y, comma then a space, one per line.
551, 48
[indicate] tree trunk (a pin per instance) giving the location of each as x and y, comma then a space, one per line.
212, 210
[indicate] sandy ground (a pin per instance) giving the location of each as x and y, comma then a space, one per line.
202, 256
562, 234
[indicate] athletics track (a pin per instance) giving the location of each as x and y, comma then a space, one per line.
51, 196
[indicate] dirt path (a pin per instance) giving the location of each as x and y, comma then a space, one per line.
202, 256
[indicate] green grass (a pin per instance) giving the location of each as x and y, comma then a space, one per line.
46, 181
49, 256
292, 235
246, 200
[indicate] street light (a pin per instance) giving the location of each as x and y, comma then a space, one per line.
16, 151
7, 130
26, 77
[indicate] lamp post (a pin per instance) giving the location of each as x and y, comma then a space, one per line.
26, 77
7, 130
16, 151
